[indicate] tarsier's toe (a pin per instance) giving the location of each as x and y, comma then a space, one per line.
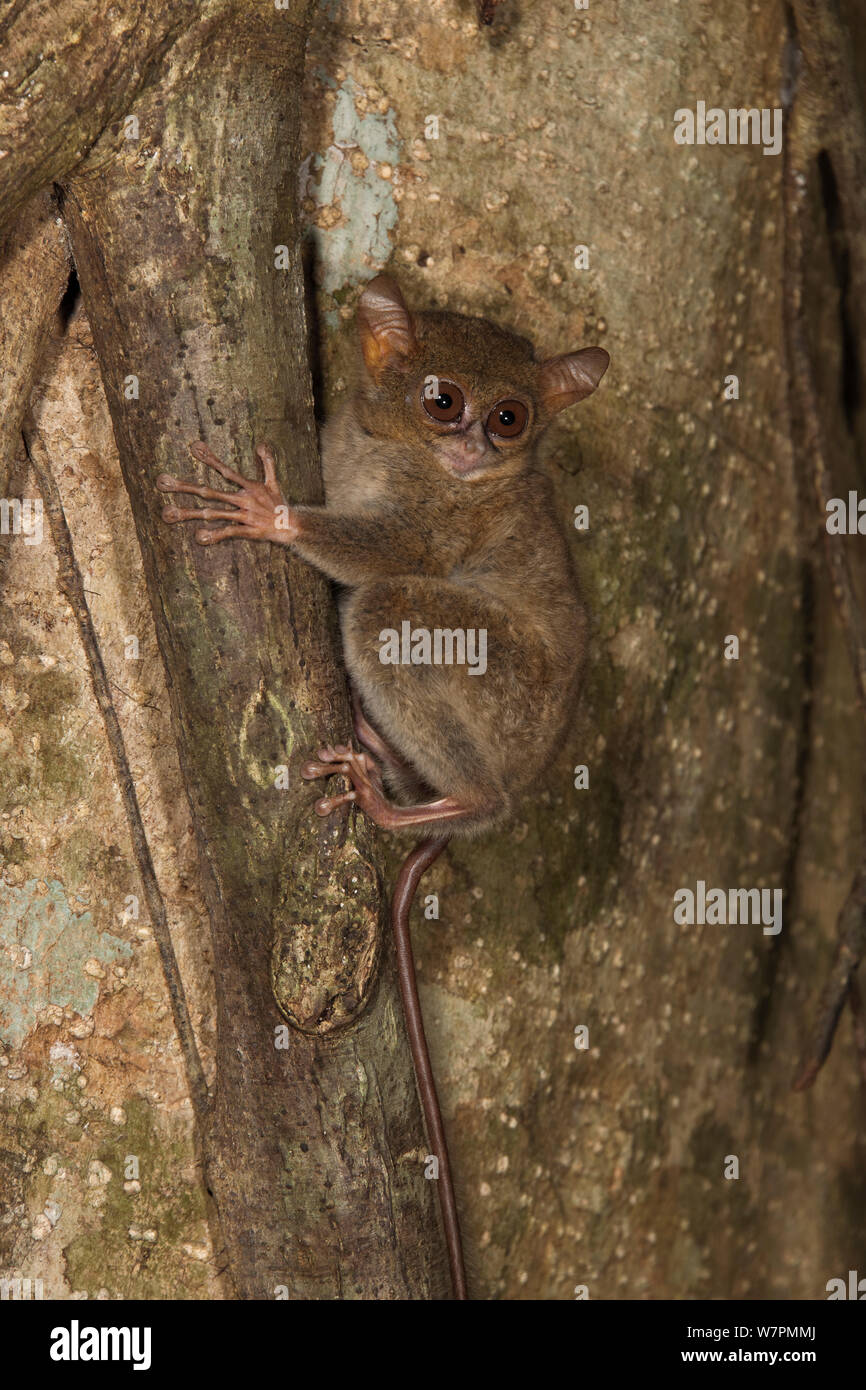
311, 770
166, 483
326, 804
329, 762
338, 754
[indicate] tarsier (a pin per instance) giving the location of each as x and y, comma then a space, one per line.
437, 515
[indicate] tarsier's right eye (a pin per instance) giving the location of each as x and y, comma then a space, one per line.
442, 400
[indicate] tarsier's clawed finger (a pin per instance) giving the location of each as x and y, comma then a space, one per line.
166, 483
222, 533
269, 463
197, 514
204, 454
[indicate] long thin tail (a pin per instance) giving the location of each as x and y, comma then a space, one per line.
415, 864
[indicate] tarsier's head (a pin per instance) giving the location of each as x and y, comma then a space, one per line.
471, 393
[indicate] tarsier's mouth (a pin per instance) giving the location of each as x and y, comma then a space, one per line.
467, 468
461, 461
463, 466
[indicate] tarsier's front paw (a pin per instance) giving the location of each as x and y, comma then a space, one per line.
259, 511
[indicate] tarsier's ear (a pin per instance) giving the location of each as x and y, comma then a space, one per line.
566, 379
385, 325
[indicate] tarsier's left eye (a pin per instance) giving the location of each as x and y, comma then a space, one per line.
507, 419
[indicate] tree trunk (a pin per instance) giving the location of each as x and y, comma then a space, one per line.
607, 1168
309, 1145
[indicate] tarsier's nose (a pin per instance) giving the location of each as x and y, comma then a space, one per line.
473, 443
466, 452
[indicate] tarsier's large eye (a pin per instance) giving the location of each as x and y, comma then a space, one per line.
507, 419
442, 400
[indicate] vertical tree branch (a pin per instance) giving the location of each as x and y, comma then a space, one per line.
311, 1146
72, 587
34, 269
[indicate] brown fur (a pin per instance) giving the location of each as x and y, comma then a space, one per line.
409, 539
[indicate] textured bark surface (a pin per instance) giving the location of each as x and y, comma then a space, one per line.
176, 228
66, 76
602, 1167
34, 270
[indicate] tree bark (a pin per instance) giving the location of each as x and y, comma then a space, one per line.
34, 269
66, 75
310, 1142
606, 1167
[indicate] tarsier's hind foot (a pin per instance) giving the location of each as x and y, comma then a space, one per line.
368, 793
329, 761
